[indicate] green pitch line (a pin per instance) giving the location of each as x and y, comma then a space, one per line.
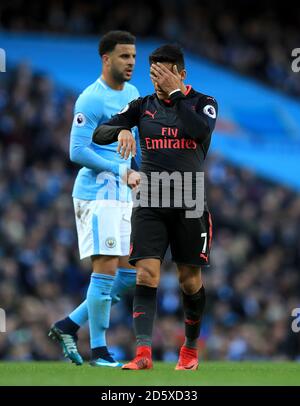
209, 373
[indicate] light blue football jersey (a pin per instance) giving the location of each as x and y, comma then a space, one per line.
99, 177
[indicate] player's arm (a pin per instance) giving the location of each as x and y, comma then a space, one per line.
84, 123
200, 121
136, 161
118, 128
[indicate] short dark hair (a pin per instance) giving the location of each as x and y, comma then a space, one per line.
112, 38
168, 53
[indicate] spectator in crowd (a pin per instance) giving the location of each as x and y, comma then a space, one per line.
257, 42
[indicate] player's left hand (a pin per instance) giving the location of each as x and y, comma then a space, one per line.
167, 80
126, 144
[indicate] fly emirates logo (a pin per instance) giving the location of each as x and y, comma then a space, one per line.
169, 140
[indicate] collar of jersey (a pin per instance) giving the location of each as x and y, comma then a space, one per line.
105, 85
188, 89
102, 83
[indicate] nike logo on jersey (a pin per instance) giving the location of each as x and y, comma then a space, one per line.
125, 218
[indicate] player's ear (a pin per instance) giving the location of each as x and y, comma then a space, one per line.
183, 74
105, 59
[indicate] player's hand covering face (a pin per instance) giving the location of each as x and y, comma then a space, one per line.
126, 144
165, 78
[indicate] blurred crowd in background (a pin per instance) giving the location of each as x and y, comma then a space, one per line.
252, 285
253, 38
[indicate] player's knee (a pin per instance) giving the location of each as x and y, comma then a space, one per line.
104, 264
190, 280
190, 287
190, 284
147, 276
123, 263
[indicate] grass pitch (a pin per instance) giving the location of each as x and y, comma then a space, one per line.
208, 374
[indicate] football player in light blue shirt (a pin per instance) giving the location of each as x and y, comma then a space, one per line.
102, 200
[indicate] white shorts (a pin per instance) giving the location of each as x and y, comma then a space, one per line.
103, 227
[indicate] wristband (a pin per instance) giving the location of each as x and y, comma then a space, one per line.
173, 91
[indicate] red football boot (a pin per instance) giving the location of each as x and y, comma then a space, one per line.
143, 359
188, 359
